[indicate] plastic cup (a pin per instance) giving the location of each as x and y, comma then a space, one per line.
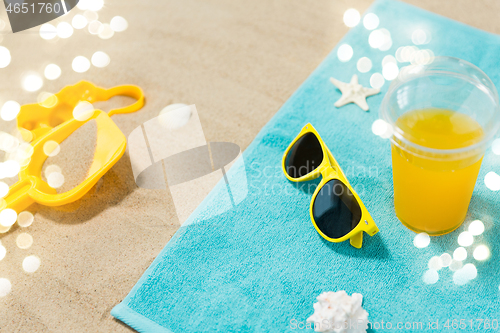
444, 115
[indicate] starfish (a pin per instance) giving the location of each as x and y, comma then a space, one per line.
353, 92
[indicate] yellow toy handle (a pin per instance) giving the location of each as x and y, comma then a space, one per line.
125, 90
20, 194
39, 119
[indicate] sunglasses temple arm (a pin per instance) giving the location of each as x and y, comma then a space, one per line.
373, 230
357, 240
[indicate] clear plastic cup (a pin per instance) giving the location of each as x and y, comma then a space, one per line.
444, 115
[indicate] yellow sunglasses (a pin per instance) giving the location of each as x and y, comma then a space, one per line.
336, 210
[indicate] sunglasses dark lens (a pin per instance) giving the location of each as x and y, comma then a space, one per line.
335, 209
304, 156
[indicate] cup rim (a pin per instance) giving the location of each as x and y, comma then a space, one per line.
435, 151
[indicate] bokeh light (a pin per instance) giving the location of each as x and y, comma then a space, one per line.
409, 53
379, 127
430, 277
387, 41
492, 181
495, 146
25, 219
95, 5
389, 131
3, 252
100, 59
95, 27
470, 271
25, 135
422, 57
4, 190
406, 53
174, 116
8, 143
459, 277
25, 150
51, 148
465, 274
380, 39
79, 21
80, 64
389, 59
465, 239
10, 168
10, 110
364, 64
481, 253
390, 71
345, 52
460, 254
371, 21
24, 241
47, 100
435, 263
105, 32
21, 161
64, 30
90, 16
455, 265
32, 82
5, 57
52, 72
399, 54
351, 17
8, 217
377, 80
83, 4
422, 239
55, 180
20, 157
419, 37
52, 168
445, 259
118, 24
5, 287
376, 39
31, 264
48, 31
476, 227
83, 111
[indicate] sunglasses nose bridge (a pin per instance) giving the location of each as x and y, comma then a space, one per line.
327, 172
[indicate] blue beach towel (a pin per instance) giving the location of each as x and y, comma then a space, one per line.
260, 266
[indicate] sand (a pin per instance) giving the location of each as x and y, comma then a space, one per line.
75, 156
238, 61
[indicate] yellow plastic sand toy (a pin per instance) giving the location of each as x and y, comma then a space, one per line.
56, 123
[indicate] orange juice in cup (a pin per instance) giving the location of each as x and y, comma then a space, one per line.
444, 115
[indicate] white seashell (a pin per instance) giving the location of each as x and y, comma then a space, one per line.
339, 313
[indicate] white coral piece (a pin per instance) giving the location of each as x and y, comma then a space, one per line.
337, 312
